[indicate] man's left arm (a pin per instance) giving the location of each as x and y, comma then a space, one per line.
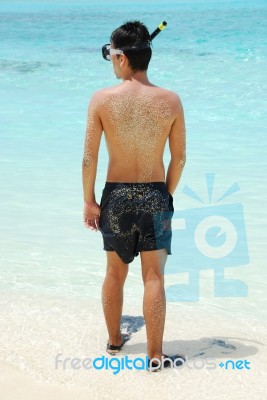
94, 129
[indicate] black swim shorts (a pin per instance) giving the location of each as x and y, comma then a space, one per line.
136, 217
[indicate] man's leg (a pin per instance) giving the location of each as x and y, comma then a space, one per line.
154, 302
112, 295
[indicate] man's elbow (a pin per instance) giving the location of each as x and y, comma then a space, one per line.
179, 162
182, 162
88, 161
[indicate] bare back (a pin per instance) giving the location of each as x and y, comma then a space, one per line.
136, 121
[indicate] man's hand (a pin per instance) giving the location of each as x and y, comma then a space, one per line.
91, 215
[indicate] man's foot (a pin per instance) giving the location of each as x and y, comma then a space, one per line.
112, 349
167, 361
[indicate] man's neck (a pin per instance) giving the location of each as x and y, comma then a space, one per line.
137, 78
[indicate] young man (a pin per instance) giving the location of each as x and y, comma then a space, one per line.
137, 118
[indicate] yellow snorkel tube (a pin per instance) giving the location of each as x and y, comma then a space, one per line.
158, 30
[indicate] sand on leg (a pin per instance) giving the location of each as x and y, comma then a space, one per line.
154, 301
112, 295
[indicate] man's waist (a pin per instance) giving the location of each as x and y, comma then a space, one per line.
136, 185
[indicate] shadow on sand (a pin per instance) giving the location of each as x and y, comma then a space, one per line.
206, 347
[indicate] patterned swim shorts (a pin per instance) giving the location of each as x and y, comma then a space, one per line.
136, 217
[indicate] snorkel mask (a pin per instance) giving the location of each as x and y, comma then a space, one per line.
107, 52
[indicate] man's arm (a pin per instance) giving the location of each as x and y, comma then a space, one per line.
94, 129
177, 145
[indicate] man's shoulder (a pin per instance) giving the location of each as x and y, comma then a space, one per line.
102, 94
174, 96
98, 98
98, 94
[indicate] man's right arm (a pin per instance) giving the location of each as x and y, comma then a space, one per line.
177, 145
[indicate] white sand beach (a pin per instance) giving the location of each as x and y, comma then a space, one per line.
35, 329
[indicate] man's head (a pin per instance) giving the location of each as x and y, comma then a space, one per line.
132, 33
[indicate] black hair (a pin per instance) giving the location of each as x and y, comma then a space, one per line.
133, 33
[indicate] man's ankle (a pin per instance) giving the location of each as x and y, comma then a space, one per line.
156, 358
117, 340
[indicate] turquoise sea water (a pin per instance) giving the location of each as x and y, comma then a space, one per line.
213, 54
